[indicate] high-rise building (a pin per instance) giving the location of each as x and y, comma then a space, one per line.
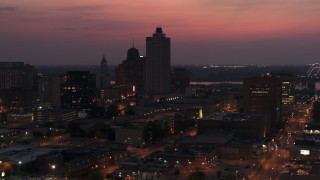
316, 111
130, 71
17, 84
12, 75
49, 90
157, 76
180, 80
77, 90
104, 74
263, 95
16, 75
104, 78
287, 93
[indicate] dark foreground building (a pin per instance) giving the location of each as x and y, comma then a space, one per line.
263, 95
158, 63
77, 90
130, 71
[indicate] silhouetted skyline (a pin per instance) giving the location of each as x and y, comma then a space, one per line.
202, 32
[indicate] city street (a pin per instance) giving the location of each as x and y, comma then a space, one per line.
141, 153
274, 162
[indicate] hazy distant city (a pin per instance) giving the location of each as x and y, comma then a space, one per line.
147, 119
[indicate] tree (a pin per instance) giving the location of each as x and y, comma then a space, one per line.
130, 111
199, 175
99, 130
112, 110
95, 176
97, 111
219, 174
182, 124
155, 131
75, 130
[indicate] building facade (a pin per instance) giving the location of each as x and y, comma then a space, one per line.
157, 76
17, 84
77, 90
287, 93
180, 80
54, 116
105, 80
104, 74
263, 95
130, 71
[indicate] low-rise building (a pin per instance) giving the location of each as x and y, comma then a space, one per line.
54, 116
244, 125
130, 136
81, 160
30, 159
9, 133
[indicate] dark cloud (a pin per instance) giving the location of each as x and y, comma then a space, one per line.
82, 8
8, 9
66, 29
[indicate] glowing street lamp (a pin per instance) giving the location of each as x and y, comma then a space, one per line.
19, 165
236, 174
53, 167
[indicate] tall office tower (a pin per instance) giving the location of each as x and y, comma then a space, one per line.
104, 78
49, 90
104, 74
157, 76
17, 84
316, 111
130, 71
287, 93
54, 91
16, 75
180, 80
77, 90
263, 95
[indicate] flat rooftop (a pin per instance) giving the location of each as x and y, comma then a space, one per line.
232, 116
214, 137
6, 130
23, 153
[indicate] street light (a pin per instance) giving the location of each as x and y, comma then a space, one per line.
19, 165
236, 174
53, 167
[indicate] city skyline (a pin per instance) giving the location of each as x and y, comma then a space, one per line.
202, 32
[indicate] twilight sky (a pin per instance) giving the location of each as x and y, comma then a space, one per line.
201, 31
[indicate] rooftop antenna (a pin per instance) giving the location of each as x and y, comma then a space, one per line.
133, 43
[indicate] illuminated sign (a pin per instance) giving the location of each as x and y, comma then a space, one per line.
200, 114
305, 152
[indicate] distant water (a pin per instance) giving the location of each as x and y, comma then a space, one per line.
209, 83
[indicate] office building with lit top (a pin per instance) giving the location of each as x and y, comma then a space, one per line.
263, 95
157, 76
77, 90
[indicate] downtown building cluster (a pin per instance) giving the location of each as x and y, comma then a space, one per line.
45, 106
149, 123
